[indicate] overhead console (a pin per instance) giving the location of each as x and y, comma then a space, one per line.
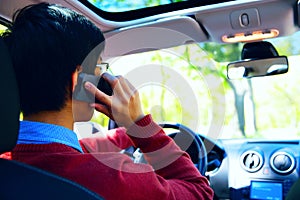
249, 20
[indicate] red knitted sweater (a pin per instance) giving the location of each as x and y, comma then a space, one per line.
170, 173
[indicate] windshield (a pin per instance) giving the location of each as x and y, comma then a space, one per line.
185, 85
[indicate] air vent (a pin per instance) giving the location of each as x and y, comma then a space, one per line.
282, 162
251, 161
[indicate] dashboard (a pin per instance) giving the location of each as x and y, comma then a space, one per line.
253, 169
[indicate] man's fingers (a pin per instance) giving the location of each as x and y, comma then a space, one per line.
118, 82
112, 80
99, 95
130, 86
103, 109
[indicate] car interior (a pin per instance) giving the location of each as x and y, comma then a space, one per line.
220, 76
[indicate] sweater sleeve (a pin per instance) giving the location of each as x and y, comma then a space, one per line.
173, 167
170, 173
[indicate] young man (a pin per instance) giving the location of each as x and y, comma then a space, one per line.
50, 46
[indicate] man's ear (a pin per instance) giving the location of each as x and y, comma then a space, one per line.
75, 76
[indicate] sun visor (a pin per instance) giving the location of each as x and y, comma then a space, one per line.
152, 36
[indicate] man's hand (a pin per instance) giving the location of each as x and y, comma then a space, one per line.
124, 106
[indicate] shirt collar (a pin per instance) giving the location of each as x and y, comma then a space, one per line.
43, 133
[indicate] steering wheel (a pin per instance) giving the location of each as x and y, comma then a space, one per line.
186, 139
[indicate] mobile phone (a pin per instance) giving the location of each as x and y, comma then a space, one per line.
82, 94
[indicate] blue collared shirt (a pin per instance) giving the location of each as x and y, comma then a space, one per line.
42, 133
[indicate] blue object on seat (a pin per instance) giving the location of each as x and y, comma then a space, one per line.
19, 180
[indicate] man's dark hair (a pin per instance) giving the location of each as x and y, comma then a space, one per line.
47, 42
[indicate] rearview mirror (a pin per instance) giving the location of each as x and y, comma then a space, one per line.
257, 67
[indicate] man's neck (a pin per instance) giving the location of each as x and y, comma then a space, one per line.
63, 117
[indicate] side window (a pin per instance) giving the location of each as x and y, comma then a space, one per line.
2, 28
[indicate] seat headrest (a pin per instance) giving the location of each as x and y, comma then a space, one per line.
9, 102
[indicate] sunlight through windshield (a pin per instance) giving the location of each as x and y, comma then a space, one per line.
202, 97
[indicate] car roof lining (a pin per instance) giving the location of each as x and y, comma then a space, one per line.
197, 23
